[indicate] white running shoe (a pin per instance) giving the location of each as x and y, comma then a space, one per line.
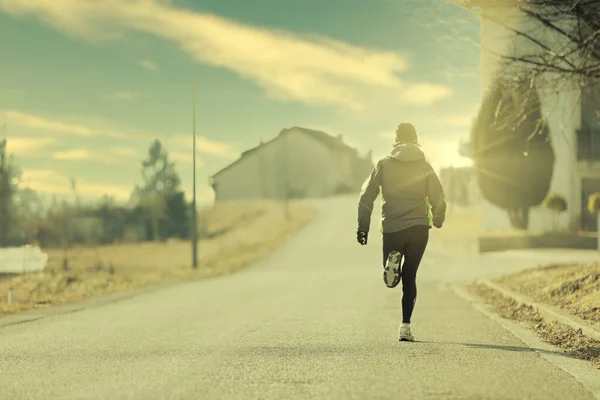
391, 271
404, 334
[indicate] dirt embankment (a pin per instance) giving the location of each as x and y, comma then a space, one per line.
574, 288
233, 236
572, 341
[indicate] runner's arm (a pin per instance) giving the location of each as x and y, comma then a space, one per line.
437, 199
369, 193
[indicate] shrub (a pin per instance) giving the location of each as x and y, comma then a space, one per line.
558, 204
594, 203
555, 202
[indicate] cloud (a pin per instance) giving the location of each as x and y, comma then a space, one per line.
124, 95
74, 154
61, 127
186, 158
204, 145
208, 146
48, 181
14, 117
177, 142
148, 65
112, 155
121, 155
28, 145
309, 69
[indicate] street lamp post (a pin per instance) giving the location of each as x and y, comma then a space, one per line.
194, 217
287, 178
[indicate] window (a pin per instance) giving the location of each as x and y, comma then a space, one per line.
588, 144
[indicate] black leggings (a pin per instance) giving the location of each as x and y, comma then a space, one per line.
411, 244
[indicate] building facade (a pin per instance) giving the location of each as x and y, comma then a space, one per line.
570, 109
298, 163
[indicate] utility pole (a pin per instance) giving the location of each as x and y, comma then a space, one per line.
286, 204
261, 174
194, 216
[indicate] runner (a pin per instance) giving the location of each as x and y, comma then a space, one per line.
413, 201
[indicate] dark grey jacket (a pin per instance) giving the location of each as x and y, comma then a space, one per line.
411, 191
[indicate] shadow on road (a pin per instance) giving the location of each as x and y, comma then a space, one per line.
308, 350
502, 348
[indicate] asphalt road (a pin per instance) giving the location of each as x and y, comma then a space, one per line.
313, 321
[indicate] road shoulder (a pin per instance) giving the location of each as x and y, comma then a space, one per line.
582, 371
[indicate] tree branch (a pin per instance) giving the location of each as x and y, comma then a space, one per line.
532, 39
537, 16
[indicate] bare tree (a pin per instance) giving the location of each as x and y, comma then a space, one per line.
564, 38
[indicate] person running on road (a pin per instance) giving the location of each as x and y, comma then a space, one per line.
413, 201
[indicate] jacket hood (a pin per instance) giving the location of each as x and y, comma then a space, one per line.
407, 152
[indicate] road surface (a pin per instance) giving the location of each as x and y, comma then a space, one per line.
313, 321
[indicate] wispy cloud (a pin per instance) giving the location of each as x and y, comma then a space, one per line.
147, 64
204, 145
177, 144
20, 145
74, 155
112, 155
124, 96
309, 69
186, 158
48, 181
18, 118
60, 126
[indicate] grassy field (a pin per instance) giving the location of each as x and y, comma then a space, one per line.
233, 236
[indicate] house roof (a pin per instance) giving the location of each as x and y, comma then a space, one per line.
328, 140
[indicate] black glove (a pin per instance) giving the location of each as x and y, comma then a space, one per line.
362, 237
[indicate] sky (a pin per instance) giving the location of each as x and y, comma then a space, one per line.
86, 85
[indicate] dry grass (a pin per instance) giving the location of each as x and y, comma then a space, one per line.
575, 288
249, 231
571, 341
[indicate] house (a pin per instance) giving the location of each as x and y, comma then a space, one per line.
298, 163
568, 107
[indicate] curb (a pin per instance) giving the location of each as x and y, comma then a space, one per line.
547, 312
